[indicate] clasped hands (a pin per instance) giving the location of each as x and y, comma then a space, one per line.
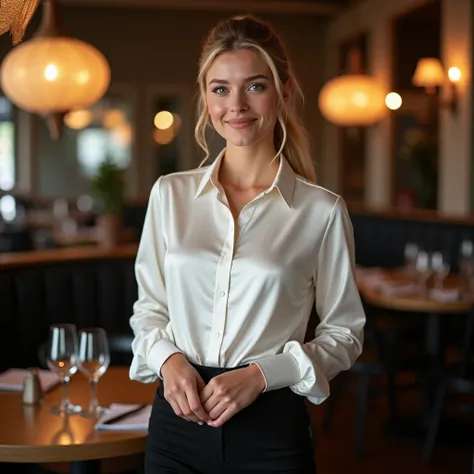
214, 403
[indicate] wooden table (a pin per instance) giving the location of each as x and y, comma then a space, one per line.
31, 434
434, 312
415, 302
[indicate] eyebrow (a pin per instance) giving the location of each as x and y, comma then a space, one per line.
248, 79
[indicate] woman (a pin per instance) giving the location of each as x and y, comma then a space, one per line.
231, 260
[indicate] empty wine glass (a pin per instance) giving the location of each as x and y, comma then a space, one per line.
466, 262
94, 359
441, 268
410, 252
423, 269
62, 359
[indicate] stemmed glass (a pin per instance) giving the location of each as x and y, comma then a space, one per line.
466, 262
423, 269
62, 359
94, 359
410, 252
441, 268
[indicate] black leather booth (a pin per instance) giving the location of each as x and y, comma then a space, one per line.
98, 291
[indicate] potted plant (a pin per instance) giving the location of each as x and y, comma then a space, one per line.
420, 150
107, 188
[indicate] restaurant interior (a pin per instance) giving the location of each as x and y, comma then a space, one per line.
389, 109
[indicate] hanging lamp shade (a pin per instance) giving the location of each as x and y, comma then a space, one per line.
48, 75
52, 74
352, 100
15, 16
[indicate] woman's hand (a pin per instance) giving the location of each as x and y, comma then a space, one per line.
182, 385
230, 392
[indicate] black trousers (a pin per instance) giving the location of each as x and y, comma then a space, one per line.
269, 436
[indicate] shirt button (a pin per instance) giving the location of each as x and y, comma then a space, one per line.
218, 335
222, 294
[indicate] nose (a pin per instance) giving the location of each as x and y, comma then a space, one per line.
239, 104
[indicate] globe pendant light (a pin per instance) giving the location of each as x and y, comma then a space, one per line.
52, 74
15, 16
354, 99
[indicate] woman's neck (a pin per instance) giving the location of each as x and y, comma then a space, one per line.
248, 167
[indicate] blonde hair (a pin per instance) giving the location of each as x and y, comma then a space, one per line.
290, 136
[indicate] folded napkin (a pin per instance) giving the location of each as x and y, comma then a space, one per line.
445, 294
137, 419
397, 288
12, 379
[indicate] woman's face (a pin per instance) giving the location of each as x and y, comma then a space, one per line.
241, 98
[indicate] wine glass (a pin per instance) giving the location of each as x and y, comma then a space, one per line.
466, 262
410, 252
94, 359
62, 359
441, 268
424, 269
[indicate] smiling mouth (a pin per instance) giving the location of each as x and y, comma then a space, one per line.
241, 123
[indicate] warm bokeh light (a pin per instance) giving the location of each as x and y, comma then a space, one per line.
51, 72
163, 137
393, 100
122, 134
113, 118
163, 120
54, 74
352, 100
428, 73
78, 119
454, 74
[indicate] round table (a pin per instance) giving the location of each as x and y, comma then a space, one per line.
31, 434
434, 311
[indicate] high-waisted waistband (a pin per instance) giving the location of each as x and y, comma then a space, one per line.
207, 373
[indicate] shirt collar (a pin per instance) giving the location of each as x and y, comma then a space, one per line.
284, 182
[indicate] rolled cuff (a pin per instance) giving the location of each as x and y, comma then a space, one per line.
279, 371
159, 354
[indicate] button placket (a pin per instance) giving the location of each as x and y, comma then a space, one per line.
221, 297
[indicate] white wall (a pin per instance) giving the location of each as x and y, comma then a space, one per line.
375, 17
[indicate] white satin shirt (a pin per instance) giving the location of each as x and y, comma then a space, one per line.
227, 293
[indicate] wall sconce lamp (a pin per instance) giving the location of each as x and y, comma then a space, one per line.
430, 74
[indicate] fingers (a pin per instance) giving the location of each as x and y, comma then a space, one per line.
177, 409
218, 409
195, 406
226, 415
185, 401
206, 393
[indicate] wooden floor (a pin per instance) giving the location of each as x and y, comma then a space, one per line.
384, 455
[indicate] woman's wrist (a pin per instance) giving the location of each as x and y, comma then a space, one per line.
257, 376
170, 361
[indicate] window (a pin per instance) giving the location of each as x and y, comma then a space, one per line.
104, 131
7, 145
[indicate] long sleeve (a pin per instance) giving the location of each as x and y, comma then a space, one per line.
154, 340
308, 368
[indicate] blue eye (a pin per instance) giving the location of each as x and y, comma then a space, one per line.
257, 87
219, 90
